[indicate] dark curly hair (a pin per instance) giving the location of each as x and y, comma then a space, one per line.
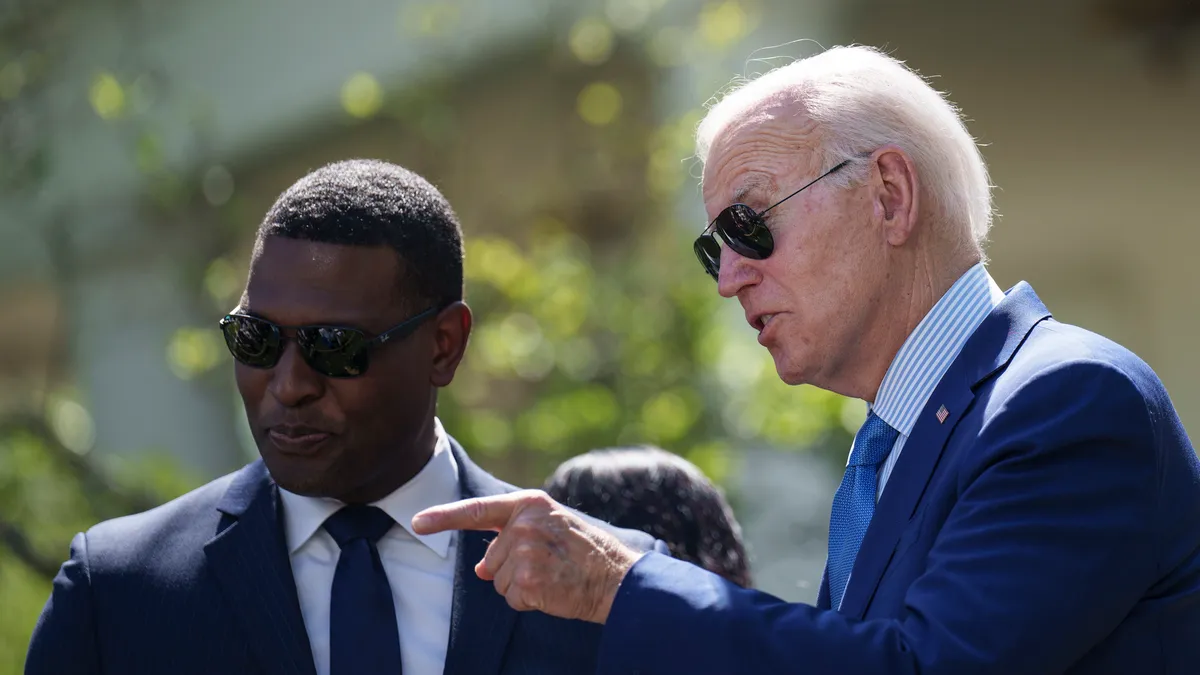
662, 494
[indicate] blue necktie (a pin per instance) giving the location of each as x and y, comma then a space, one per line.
363, 636
854, 502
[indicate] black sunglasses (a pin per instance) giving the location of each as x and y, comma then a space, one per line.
743, 230
333, 351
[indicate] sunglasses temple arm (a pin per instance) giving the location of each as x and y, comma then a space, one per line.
810, 184
406, 327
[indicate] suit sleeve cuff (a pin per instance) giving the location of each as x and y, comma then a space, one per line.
659, 608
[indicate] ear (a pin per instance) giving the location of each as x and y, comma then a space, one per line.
897, 193
452, 328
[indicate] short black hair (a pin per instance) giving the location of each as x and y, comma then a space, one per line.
366, 202
649, 489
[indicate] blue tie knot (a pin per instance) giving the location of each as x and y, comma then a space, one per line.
873, 442
358, 522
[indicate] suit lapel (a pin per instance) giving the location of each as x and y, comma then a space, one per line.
904, 489
249, 560
823, 600
481, 621
988, 350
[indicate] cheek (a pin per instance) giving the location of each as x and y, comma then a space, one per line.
842, 246
350, 400
251, 384
817, 265
371, 406
824, 268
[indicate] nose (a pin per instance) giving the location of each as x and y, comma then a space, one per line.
294, 382
736, 273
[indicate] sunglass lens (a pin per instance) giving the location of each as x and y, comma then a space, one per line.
251, 341
332, 351
745, 232
708, 252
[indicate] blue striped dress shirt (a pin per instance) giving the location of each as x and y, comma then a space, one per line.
927, 354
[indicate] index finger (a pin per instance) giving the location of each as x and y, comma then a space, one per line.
479, 513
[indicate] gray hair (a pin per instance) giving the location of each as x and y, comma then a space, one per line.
861, 99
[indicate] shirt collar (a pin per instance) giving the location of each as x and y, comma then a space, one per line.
436, 483
928, 352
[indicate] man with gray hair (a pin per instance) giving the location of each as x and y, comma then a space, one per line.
1022, 497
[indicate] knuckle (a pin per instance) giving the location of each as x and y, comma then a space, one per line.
564, 520
476, 510
525, 579
528, 529
524, 550
515, 602
541, 497
538, 499
521, 528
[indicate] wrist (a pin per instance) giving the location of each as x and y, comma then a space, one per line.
621, 559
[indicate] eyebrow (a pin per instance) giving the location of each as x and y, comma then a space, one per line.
754, 184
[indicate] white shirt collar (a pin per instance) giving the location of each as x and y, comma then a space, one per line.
436, 483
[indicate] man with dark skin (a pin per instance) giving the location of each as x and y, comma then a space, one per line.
306, 561
327, 437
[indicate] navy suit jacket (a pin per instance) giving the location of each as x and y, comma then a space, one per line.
1050, 524
203, 584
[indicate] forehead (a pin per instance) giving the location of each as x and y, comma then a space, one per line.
755, 152
296, 282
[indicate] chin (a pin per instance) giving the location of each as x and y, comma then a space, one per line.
298, 476
789, 373
794, 379
296, 482
791, 370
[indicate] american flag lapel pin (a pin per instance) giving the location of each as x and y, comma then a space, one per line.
942, 414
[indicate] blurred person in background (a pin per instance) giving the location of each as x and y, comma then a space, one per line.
305, 562
654, 491
1022, 497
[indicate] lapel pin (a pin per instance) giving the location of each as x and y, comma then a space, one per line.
942, 414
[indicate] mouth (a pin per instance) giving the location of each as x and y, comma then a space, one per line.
761, 321
296, 439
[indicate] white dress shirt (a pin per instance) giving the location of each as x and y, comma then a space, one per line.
420, 568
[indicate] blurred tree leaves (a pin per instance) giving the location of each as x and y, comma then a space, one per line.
362, 96
107, 97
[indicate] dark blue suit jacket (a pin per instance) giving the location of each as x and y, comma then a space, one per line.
1051, 524
203, 584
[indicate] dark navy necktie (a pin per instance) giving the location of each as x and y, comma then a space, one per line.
363, 636
854, 502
